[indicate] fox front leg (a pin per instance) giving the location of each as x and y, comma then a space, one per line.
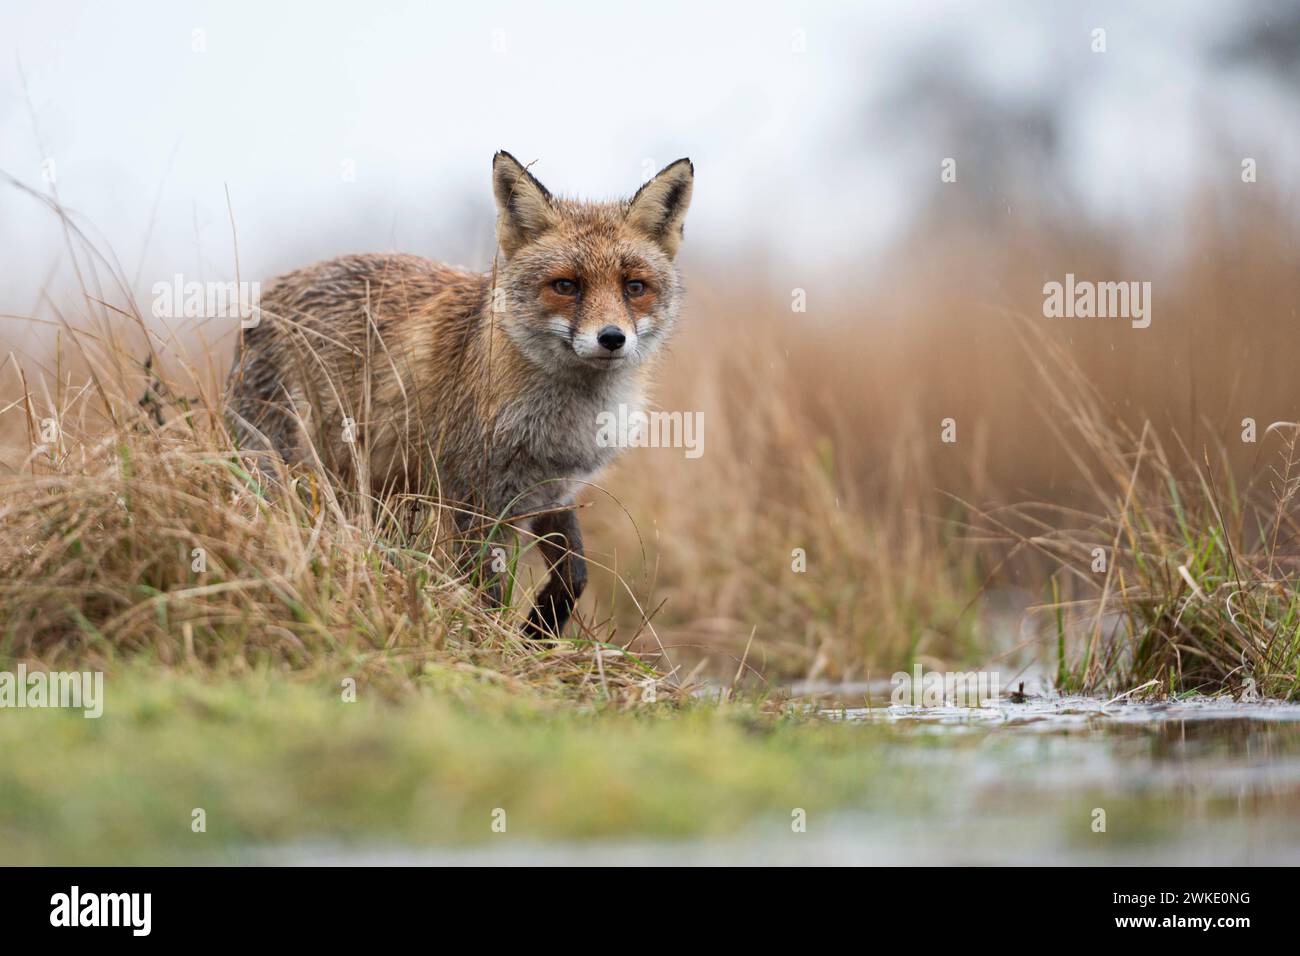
560, 542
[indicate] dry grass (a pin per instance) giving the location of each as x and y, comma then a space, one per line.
822, 434
884, 576
1178, 578
125, 538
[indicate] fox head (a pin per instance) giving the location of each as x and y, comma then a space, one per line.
587, 286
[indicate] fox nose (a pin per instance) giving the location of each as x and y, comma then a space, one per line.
611, 337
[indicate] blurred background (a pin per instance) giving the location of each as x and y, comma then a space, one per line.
1106, 141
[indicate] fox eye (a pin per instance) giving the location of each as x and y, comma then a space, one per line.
635, 288
565, 286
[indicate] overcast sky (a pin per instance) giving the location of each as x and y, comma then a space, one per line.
341, 127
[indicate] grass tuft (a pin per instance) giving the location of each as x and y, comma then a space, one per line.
1176, 579
123, 537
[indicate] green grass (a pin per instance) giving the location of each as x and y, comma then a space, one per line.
274, 763
285, 766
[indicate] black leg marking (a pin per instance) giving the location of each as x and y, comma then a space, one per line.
560, 542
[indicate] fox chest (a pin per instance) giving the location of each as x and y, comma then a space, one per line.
547, 450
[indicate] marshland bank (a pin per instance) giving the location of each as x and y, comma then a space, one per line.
289, 772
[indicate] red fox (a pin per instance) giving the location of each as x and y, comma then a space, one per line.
406, 375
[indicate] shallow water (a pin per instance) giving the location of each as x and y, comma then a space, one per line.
1052, 780
1055, 712
1193, 781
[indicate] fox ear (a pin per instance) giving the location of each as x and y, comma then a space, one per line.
659, 207
524, 209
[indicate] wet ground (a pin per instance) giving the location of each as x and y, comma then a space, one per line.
1050, 780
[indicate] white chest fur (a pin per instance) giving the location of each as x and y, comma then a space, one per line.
553, 432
